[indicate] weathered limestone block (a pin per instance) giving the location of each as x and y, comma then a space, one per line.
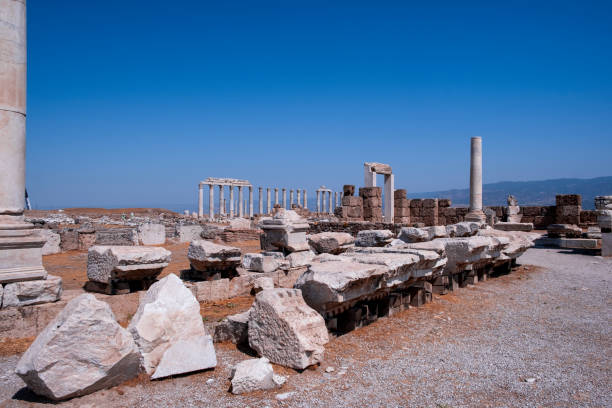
32, 292
240, 224
108, 263
464, 252
514, 226
331, 242
169, 331
462, 229
234, 328
152, 234
210, 290
285, 231
402, 263
53, 241
263, 283
603, 203
284, 329
604, 220
302, 258
519, 241
188, 233
81, 351
253, 375
567, 230
260, 263
411, 234
370, 238
207, 256
117, 236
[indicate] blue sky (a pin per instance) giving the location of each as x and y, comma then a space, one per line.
132, 103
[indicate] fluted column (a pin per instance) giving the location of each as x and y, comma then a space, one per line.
284, 198
211, 202
260, 200
476, 213
250, 201
268, 200
200, 200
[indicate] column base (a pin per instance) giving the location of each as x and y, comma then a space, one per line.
476, 216
21, 257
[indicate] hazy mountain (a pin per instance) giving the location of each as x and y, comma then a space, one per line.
529, 192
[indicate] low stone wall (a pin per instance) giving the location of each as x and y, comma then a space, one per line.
235, 235
352, 228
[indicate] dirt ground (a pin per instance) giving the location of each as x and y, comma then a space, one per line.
550, 321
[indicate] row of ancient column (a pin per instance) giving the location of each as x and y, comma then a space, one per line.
328, 204
298, 196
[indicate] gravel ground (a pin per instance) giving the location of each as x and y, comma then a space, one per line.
548, 321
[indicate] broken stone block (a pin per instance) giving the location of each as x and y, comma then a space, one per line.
514, 226
284, 329
263, 283
606, 244
253, 375
371, 238
331, 242
240, 224
604, 220
260, 263
301, 258
285, 231
116, 236
152, 234
169, 331
234, 328
52, 241
188, 233
410, 234
32, 292
108, 264
81, 351
206, 256
567, 230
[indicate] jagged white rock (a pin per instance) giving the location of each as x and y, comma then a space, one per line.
254, 374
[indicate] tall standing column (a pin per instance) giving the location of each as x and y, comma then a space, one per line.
305, 200
299, 197
330, 201
275, 196
290, 198
211, 202
250, 201
241, 202
200, 200
221, 209
335, 199
388, 201
476, 213
231, 203
324, 194
284, 198
318, 201
20, 248
260, 200
268, 200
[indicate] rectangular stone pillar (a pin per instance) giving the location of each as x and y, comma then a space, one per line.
388, 202
369, 177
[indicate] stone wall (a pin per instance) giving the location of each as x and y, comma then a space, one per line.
372, 203
352, 228
235, 235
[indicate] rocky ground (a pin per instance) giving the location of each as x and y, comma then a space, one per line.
539, 337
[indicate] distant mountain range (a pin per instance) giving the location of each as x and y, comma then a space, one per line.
541, 192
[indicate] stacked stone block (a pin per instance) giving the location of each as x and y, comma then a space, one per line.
401, 207
443, 206
540, 217
372, 203
352, 207
568, 209
424, 211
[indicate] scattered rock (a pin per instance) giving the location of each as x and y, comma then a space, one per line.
260, 262
234, 328
108, 263
169, 331
285, 395
81, 351
284, 329
253, 375
207, 256
330, 369
301, 258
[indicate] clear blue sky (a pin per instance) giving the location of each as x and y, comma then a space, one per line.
133, 102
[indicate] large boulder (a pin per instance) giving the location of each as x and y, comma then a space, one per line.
330, 242
371, 238
253, 375
169, 331
206, 256
32, 292
81, 351
108, 263
284, 329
